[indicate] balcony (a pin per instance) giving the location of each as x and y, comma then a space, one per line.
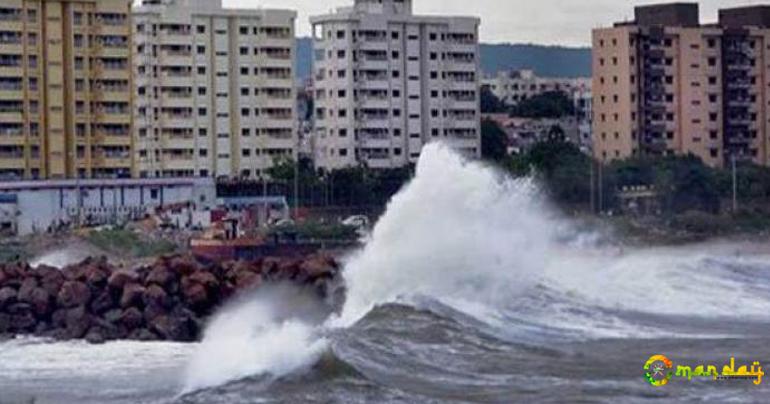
371, 36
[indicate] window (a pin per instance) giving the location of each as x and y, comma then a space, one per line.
244, 51
244, 30
341, 34
201, 29
201, 70
432, 36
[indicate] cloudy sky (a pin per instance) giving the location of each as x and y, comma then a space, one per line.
563, 22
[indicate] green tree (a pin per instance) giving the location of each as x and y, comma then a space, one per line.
494, 141
490, 103
552, 104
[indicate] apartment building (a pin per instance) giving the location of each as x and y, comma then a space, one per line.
65, 89
666, 84
514, 86
215, 89
387, 82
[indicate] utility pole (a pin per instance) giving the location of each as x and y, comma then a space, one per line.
601, 189
735, 184
592, 187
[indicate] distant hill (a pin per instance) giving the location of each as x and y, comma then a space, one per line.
547, 61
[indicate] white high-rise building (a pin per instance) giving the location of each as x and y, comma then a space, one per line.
215, 89
387, 82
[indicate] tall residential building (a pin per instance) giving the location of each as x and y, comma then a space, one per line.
65, 89
387, 82
215, 89
665, 84
512, 87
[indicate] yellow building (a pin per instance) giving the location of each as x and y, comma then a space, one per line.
65, 89
666, 84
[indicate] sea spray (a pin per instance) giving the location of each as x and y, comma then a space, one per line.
458, 231
271, 332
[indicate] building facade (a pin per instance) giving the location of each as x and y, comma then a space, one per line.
387, 82
28, 207
514, 86
65, 89
666, 84
215, 89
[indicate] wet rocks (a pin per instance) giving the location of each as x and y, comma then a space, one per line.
168, 300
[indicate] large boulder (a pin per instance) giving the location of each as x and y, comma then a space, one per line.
319, 266
195, 295
204, 278
25, 291
8, 296
102, 302
77, 321
131, 318
51, 280
73, 294
133, 295
183, 265
174, 328
41, 301
155, 294
160, 275
119, 279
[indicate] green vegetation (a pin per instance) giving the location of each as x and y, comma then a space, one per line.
494, 141
552, 104
349, 187
128, 243
548, 105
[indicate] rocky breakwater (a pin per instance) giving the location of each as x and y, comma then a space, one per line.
168, 300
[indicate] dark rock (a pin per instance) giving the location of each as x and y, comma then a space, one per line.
25, 291
5, 323
95, 335
19, 308
3, 276
154, 294
173, 328
41, 302
102, 303
51, 281
59, 318
113, 316
318, 266
8, 296
142, 334
205, 278
153, 311
195, 294
78, 322
184, 265
22, 322
160, 276
73, 294
133, 295
132, 318
96, 276
119, 279
248, 281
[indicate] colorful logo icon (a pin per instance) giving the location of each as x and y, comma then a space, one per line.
658, 370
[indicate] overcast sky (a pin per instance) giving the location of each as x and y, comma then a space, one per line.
560, 22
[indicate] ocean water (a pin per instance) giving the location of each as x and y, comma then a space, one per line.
470, 289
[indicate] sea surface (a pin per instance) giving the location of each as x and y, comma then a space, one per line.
469, 289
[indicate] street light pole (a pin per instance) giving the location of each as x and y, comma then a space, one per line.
735, 184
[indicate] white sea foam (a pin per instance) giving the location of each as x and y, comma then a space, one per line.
270, 332
479, 241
